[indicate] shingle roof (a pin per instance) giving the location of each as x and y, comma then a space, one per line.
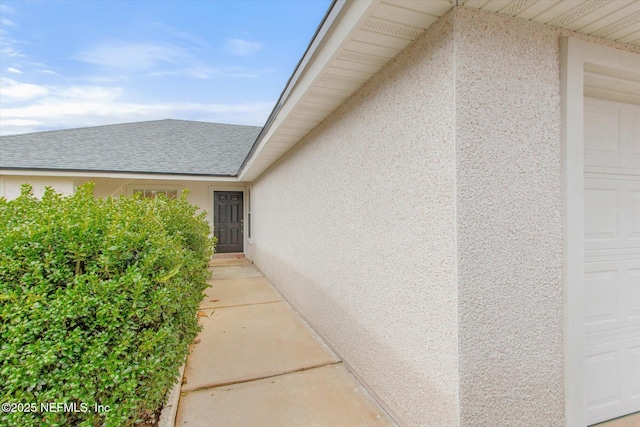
161, 146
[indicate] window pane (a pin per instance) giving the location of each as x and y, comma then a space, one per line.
151, 193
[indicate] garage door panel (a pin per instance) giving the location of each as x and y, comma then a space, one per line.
597, 144
612, 378
633, 297
601, 215
635, 215
612, 290
612, 259
601, 302
612, 139
636, 135
628, 291
612, 211
630, 365
602, 380
635, 372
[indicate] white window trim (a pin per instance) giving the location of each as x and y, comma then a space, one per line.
575, 54
132, 187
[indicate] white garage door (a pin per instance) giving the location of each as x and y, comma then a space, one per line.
612, 258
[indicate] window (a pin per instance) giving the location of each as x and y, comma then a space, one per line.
150, 193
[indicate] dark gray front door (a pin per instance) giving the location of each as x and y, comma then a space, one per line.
227, 221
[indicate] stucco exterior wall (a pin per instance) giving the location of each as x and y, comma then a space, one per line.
200, 192
11, 185
356, 227
509, 221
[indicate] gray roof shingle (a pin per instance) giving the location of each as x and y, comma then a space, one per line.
161, 146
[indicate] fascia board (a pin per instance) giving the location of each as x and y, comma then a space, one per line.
116, 175
324, 48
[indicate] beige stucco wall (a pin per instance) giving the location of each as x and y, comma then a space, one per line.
356, 226
10, 185
419, 228
200, 192
509, 221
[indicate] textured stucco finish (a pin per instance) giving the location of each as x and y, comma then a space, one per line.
12, 185
200, 192
419, 228
356, 226
509, 221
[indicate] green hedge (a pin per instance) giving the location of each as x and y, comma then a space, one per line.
98, 301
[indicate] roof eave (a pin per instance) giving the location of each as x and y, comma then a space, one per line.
337, 24
358, 38
156, 176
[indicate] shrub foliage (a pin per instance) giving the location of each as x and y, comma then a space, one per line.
97, 304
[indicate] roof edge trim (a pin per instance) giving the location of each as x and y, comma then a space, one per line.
74, 173
325, 25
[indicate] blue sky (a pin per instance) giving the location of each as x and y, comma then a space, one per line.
66, 64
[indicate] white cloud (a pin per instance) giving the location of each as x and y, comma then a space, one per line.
14, 70
177, 34
10, 51
162, 59
13, 126
204, 72
5, 22
242, 47
57, 107
11, 90
58, 114
6, 9
8, 45
102, 78
132, 56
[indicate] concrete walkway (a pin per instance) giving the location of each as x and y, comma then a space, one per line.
256, 363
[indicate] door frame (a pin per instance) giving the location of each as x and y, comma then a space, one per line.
211, 196
576, 56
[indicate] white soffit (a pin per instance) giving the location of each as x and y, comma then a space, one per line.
617, 20
357, 42
360, 36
